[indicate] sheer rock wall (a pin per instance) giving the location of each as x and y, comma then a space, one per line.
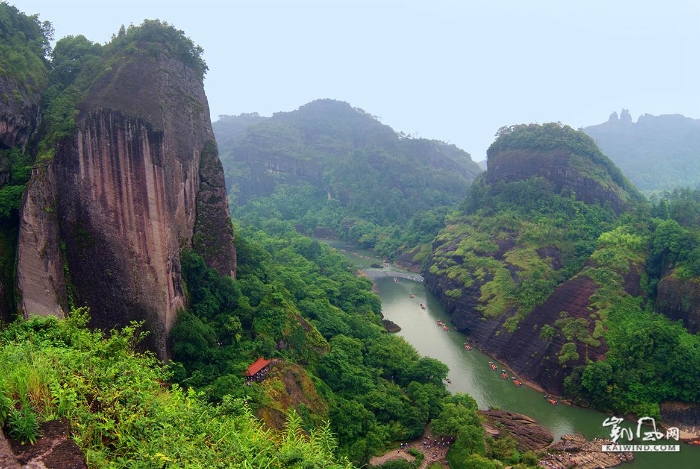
132, 189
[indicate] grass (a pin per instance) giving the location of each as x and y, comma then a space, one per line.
123, 412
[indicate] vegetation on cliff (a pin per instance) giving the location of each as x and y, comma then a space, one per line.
297, 301
24, 48
24, 69
516, 241
328, 165
651, 359
78, 62
569, 159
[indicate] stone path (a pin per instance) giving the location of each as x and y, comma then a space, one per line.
7, 457
432, 454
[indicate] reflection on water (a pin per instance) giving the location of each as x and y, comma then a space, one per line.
470, 371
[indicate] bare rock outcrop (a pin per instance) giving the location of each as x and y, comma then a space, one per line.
528, 434
39, 253
19, 120
574, 451
55, 449
679, 298
19, 112
138, 181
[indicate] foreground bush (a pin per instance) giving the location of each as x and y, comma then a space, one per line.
122, 411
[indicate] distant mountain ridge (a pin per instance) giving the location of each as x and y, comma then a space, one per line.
655, 153
364, 173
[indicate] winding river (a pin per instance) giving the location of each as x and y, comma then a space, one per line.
470, 371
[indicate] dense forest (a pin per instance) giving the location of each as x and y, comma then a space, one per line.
331, 168
552, 213
298, 301
513, 245
340, 388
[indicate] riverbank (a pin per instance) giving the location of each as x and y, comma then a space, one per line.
470, 373
502, 365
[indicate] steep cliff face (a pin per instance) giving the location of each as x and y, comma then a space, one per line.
568, 160
679, 299
42, 274
525, 349
560, 168
19, 119
525, 271
138, 181
19, 113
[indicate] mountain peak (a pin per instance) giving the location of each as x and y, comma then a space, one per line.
567, 158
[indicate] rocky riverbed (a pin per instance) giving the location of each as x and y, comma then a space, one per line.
572, 451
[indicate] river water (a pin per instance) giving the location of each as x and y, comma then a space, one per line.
470, 371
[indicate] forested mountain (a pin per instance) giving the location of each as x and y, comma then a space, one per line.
330, 166
113, 215
557, 265
230, 130
117, 172
656, 152
115, 230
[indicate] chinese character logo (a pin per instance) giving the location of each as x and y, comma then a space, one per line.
616, 431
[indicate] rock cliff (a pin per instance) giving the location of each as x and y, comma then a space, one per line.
514, 271
139, 180
19, 112
678, 298
528, 434
569, 160
19, 120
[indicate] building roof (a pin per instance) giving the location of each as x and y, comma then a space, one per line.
259, 364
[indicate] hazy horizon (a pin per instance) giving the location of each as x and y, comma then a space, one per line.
447, 70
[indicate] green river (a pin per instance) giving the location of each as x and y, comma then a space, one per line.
470, 371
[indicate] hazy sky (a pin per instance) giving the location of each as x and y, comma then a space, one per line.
453, 70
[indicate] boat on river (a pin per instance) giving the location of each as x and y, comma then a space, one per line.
550, 399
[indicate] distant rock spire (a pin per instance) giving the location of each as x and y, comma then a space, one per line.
625, 117
613, 117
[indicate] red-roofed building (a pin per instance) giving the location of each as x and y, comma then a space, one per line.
257, 370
